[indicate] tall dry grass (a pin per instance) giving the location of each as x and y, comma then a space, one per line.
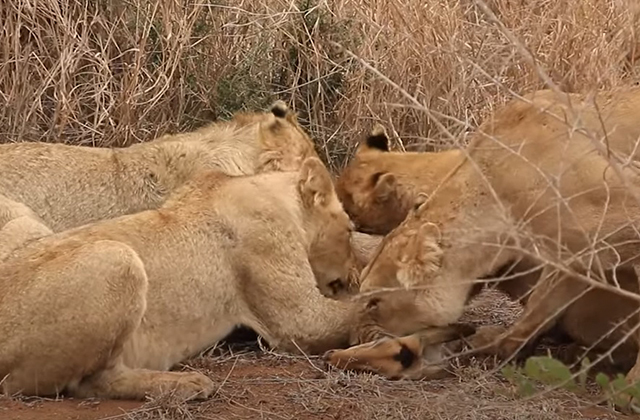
117, 72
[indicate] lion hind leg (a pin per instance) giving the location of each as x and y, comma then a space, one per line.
69, 316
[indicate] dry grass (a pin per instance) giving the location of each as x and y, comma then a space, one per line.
278, 386
255, 384
271, 387
112, 73
118, 72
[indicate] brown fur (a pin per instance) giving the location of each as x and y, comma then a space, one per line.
378, 187
68, 186
246, 242
447, 241
167, 283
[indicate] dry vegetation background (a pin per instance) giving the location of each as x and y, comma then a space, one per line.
117, 72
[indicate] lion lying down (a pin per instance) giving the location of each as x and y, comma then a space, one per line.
106, 309
68, 186
167, 283
499, 208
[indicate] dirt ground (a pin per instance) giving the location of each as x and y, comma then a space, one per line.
258, 384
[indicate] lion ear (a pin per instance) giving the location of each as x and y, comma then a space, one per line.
279, 109
384, 184
270, 155
431, 232
272, 143
378, 138
315, 185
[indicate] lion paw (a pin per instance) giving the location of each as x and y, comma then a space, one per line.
192, 386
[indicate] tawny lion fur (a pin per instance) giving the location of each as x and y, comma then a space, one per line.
167, 283
500, 207
378, 187
68, 186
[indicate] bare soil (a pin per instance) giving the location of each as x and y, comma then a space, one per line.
259, 384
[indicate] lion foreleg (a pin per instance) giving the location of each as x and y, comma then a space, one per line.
415, 356
545, 306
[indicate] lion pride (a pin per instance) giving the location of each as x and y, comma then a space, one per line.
69, 186
536, 183
167, 283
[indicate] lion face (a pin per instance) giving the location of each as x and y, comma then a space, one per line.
370, 196
370, 199
331, 254
328, 228
401, 290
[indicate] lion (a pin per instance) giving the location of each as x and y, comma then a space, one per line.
363, 246
539, 169
379, 186
68, 186
106, 309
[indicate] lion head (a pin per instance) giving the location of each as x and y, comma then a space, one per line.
369, 194
284, 144
328, 228
402, 288
248, 143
